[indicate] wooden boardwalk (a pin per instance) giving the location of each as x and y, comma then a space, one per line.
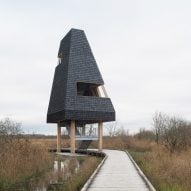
118, 174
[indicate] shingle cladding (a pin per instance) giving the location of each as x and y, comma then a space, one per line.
77, 65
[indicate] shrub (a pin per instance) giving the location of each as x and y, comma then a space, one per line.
145, 135
173, 132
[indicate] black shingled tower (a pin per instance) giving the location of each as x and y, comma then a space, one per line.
74, 93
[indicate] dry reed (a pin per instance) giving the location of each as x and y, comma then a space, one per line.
165, 170
76, 182
20, 160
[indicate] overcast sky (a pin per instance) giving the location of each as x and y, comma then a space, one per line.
143, 50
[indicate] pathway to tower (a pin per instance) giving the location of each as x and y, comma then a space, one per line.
118, 174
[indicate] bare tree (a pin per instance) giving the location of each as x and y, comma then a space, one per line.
159, 123
10, 135
9, 131
9, 127
144, 134
112, 129
122, 132
173, 132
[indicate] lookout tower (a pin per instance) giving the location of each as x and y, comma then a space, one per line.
78, 97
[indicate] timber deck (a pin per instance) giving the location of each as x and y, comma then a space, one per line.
118, 174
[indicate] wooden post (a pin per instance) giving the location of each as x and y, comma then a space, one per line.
72, 136
100, 134
58, 138
104, 90
84, 130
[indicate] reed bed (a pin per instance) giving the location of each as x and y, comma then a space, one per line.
165, 170
20, 160
76, 182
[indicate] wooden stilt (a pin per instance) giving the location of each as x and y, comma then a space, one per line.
83, 130
100, 134
72, 136
58, 138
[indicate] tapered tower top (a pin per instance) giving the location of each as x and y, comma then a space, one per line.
76, 91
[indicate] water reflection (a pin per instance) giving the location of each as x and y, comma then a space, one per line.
61, 171
64, 169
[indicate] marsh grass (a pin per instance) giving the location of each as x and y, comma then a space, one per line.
50, 143
165, 170
76, 182
76, 179
20, 160
127, 142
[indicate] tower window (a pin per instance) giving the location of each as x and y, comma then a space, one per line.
87, 89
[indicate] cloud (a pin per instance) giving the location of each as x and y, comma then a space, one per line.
142, 49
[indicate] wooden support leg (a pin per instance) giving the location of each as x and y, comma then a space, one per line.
100, 134
58, 138
72, 136
83, 130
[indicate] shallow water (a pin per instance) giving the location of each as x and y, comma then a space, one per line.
61, 171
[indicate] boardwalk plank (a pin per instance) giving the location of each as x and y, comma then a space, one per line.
118, 174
